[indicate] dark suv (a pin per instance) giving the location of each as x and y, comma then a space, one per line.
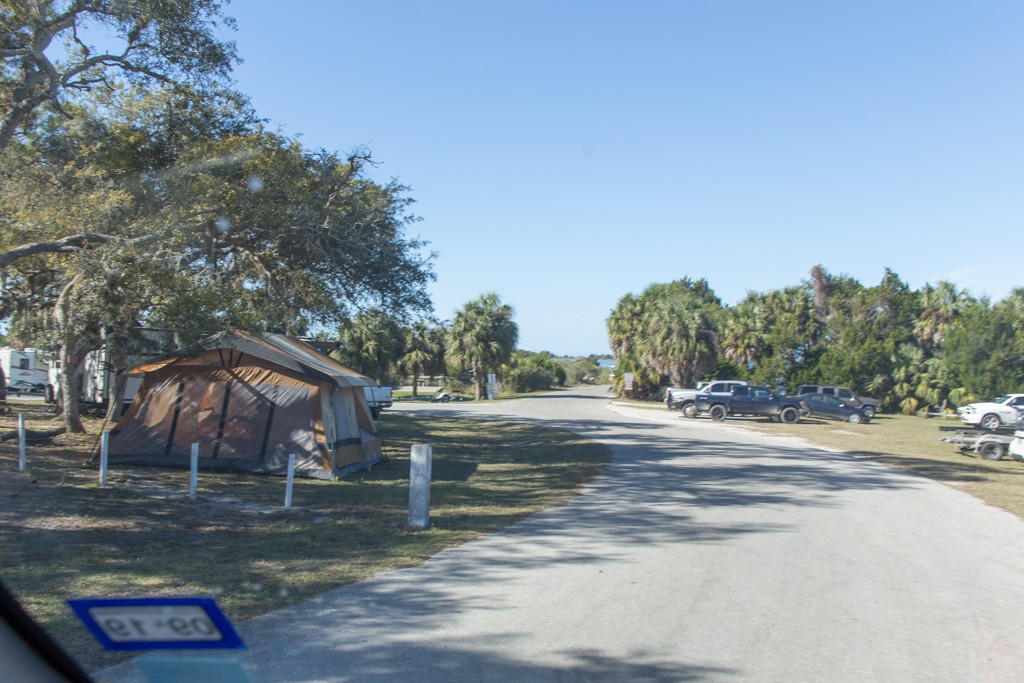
869, 405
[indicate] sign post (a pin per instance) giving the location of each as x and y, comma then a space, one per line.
104, 457
290, 482
419, 486
193, 479
21, 442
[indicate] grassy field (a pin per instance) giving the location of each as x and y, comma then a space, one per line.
62, 536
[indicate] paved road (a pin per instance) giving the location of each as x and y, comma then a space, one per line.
705, 553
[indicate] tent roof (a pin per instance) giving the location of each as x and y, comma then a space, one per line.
288, 352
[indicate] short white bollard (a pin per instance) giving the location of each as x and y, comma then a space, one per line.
290, 483
21, 442
194, 478
419, 486
104, 455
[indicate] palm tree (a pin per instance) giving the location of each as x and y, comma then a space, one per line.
743, 331
623, 325
942, 306
677, 337
424, 352
1015, 304
482, 337
370, 343
788, 330
668, 330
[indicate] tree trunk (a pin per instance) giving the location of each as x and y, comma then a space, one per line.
415, 383
115, 406
478, 382
820, 297
116, 359
70, 390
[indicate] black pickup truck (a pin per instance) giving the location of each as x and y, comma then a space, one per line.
752, 400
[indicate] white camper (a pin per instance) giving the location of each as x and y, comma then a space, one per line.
97, 374
24, 368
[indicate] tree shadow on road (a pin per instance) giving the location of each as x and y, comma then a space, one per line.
435, 656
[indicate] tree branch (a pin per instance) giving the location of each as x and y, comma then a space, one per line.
65, 244
78, 242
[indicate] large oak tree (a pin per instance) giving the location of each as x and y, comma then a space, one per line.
231, 225
53, 50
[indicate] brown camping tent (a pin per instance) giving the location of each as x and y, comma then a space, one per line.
248, 402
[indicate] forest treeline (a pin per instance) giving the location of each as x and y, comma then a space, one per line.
936, 347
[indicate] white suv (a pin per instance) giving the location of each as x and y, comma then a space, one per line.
1004, 411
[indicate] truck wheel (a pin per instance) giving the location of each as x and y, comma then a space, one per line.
689, 409
718, 413
991, 421
854, 418
789, 415
991, 450
869, 411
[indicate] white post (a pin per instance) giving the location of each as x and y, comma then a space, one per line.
194, 478
21, 442
419, 486
104, 452
290, 482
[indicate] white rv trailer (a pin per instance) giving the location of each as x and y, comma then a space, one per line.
23, 365
97, 374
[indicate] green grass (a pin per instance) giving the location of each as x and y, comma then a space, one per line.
62, 536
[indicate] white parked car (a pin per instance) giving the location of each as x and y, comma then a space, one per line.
1004, 411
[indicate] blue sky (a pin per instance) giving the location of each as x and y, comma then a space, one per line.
564, 154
